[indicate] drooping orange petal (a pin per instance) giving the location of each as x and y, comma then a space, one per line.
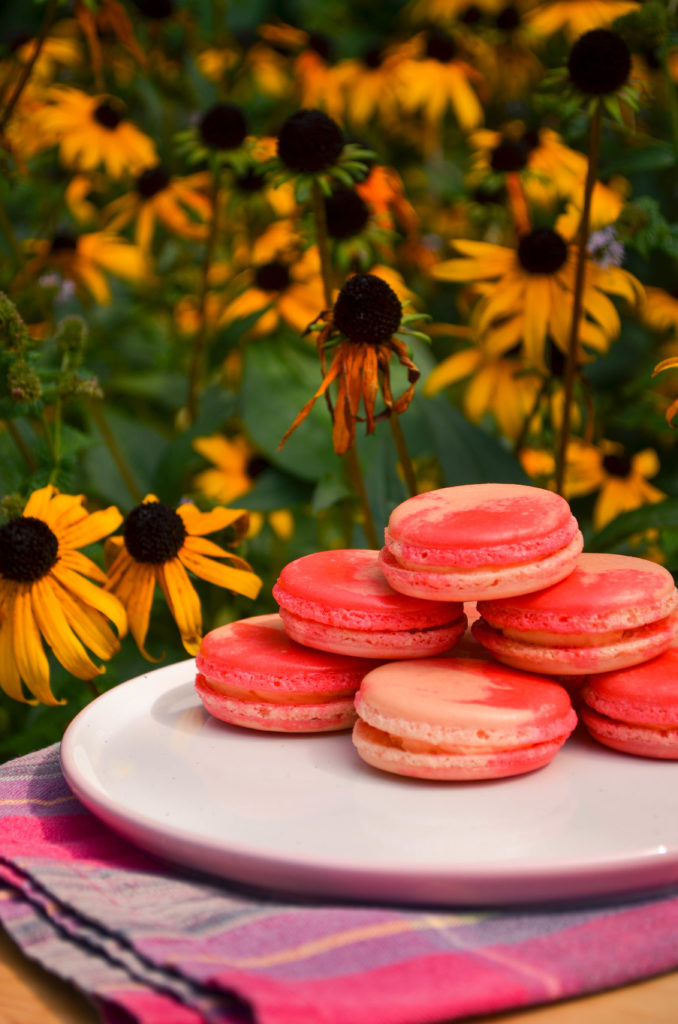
331, 375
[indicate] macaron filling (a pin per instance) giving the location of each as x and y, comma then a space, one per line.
275, 696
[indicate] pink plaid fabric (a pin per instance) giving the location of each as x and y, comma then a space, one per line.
151, 944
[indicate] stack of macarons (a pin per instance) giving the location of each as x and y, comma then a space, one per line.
382, 636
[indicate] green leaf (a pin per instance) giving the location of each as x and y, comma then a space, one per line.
279, 377
652, 157
141, 447
329, 491
466, 453
663, 514
274, 490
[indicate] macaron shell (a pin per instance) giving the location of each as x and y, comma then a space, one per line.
636, 711
258, 654
346, 588
364, 643
481, 583
636, 646
604, 592
640, 740
479, 524
265, 717
370, 745
459, 718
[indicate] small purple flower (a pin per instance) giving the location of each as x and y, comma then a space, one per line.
605, 248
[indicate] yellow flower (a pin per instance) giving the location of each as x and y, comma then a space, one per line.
161, 545
435, 79
575, 17
659, 312
46, 592
86, 259
496, 385
280, 289
525, 294
623, 480
230, 478
366, 88
179, 204
90, 131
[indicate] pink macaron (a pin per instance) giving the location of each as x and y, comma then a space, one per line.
478, 541
612, 611
339, 601
635, 710
459, 719
251, 673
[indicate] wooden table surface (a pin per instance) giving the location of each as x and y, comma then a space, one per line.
29, 995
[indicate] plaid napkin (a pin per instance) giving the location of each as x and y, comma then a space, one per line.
152, 944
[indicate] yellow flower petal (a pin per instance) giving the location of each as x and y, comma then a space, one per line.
30, 656
183, 603
96, 597
48, 608
201, 523
241, 582
10, 679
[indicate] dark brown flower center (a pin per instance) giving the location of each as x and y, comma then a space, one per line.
373, 58
508, 19
152, 181
346, 212
250, 181
509, 155
107, 116
617, 465
471, 15
542, 251
156, 10
154, 533
320, 44
440, 46
309, 141
599, 62
223, 126
272, 277
367, 310
28, 549
63, 242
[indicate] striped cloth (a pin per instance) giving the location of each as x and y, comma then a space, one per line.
160, 946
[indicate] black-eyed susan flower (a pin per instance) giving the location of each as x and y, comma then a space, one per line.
362, 332
312, 152
87, 259
496, 385
234, 467
49, 590
525, 294
219, 136
162, 546
436, 77
180, 204
90, 131
365, 88
575, 17
358, 236
622, 480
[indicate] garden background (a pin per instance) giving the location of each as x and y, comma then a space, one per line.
163, 256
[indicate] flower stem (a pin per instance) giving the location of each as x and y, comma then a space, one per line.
357, 480
21, 445
403, 454
322, 241
352, 462
200, 342
114, 448
22, 80
578, 294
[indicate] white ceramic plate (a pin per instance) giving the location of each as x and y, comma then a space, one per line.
304, 815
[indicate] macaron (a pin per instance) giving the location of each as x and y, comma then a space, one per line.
478, 541
340, 601
612, 611
459, 719
251, 673
635, 710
